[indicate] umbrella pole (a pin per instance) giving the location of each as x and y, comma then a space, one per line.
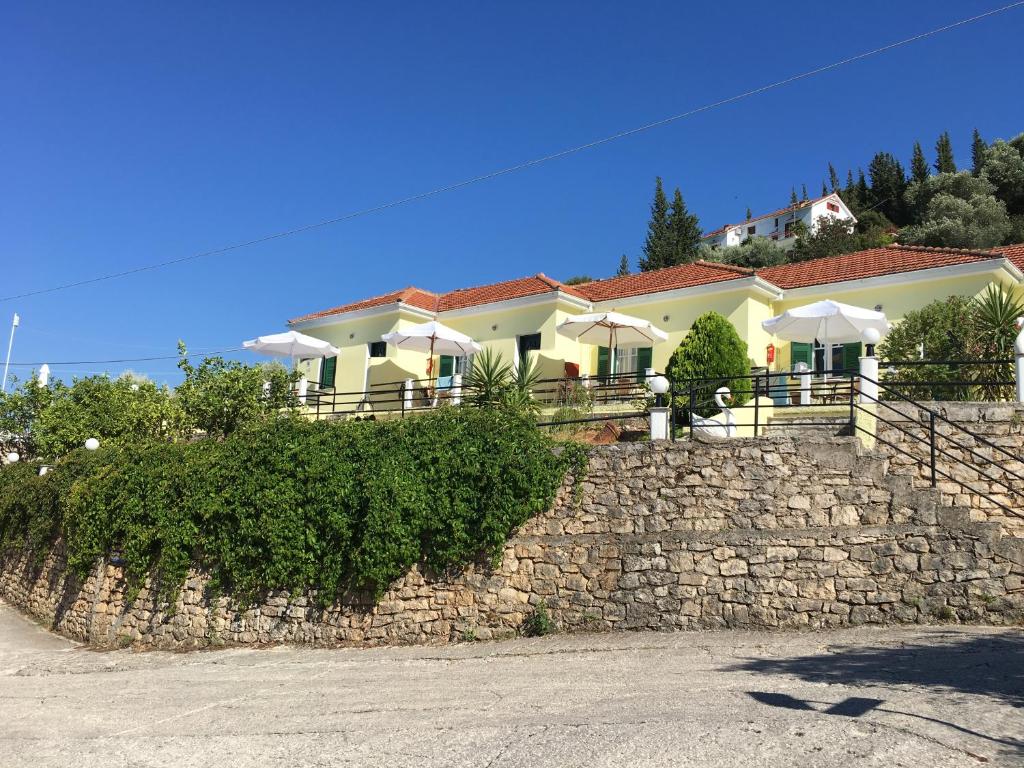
611, 354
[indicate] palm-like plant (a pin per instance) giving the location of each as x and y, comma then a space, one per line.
994, 330
519, 394
487, 379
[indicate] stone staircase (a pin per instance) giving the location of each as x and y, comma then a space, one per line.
818, 425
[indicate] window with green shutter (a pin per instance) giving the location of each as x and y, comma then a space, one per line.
447, 366
602, 363
800, 352
851, 357
644, 356
327, 368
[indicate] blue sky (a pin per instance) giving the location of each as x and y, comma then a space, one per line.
140, 132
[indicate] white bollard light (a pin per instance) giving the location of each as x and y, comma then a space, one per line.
13, 458
659, 413
92, 444
869, 367
1018, 355
805, 383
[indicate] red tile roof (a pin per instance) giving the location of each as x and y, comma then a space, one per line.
788, 209
873, 262
457, 299
416, 297
667, 279
1015, 253
509, 289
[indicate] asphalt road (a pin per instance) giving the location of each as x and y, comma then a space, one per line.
894, 697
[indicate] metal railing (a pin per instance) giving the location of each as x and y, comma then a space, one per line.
947, 448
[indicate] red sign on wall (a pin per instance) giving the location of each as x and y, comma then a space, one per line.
770, 353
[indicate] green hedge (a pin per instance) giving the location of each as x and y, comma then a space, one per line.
294, 504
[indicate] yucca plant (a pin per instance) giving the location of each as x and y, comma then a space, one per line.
994, 330
519, 394
487, 379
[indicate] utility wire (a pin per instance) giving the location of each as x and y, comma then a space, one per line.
131, 359
520, 166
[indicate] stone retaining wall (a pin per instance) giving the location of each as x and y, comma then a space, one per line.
1000, 423
800, 531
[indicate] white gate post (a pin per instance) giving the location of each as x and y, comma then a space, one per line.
869, 367
805, 383
456, 394
659, 414
407, 394
1018, 355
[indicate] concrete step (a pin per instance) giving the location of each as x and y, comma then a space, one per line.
821, 425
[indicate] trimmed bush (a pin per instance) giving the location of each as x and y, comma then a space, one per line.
713, 351
293, 504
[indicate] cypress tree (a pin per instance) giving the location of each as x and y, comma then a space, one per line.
658, 245
863, 194
833, 177
685, 232
824, 189
750, 214
793, 199
919, 170
944, 162
888, 182
803, 191
978, 148
623, 267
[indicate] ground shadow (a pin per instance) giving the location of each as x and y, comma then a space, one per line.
990, 665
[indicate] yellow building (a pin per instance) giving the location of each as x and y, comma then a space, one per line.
515, 317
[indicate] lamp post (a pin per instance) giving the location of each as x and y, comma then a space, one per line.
92, 444
10, 345
659, 413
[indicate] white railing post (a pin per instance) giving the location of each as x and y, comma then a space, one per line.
805, 383
303, 389
1018, 356
407, 394
869, 367
659, 413
456, 393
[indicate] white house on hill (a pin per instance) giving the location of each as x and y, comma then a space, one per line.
778, 225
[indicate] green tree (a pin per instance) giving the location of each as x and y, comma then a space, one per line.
221, 396
754, 252
803, 192
833, 236
713, 353
956, 210
888, 183
936, 332
658, 245
1004, 167
117, 412
833, 177
863, 193
623, 267
579, 280
750, 214
793, 199
978, 148
824, 189
919, 170
685, 232
944, 162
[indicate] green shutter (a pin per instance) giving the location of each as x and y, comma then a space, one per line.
327, 369
851, 356
447, 365
644, 355
800, 352
602, 362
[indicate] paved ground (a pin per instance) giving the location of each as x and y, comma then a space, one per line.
895, 697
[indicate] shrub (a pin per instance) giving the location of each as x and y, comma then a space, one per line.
538, 623
712, 351
293, 504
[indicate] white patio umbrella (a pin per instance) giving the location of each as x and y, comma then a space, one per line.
829, 322
613, 329
291, 344
434, 338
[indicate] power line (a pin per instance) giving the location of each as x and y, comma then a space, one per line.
131, 359
519, 166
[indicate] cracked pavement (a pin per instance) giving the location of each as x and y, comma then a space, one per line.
913, 696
